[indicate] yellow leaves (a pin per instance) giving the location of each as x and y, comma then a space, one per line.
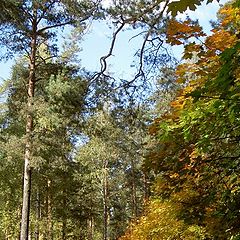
174, 175
193, 155
161, 222
178, 32
220, 40
205, 60
193, 162
186, 195
183, 99
158, 222
179, 103
230, 16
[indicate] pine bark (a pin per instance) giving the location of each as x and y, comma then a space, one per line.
29, 132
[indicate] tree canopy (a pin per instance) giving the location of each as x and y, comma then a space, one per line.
84, 155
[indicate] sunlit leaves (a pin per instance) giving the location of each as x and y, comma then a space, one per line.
196, 153
161, 221
178, 32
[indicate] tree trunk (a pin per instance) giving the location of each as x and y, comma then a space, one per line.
90, 228
90, 221
49, 212
105, 201
29, 131
26, 186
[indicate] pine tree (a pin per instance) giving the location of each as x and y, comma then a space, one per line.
25, 26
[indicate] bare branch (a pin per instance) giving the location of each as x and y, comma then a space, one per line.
53, 26
141, 72
148, 33
103, 60
43, 60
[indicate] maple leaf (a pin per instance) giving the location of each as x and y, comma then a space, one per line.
178, 31
182, 5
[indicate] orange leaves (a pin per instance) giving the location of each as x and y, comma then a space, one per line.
220, 40
179, 102
154, 127
203, 60
178, 32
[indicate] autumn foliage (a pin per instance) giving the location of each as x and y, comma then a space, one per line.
195, 148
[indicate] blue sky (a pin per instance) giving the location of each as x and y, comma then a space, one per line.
96, 44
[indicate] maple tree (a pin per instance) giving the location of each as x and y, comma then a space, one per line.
196, 148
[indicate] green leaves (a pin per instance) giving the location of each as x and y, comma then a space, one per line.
182, 5
229, 59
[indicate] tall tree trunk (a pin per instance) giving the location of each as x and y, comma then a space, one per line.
49, 212
105, 201
29, 131
90, 228
90, 221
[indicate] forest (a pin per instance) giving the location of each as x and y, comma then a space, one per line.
87, 155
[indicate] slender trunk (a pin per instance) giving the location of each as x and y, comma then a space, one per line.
105, 201
29, 131
90, 221
90, 228
49, 212
26, 186
134, 190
